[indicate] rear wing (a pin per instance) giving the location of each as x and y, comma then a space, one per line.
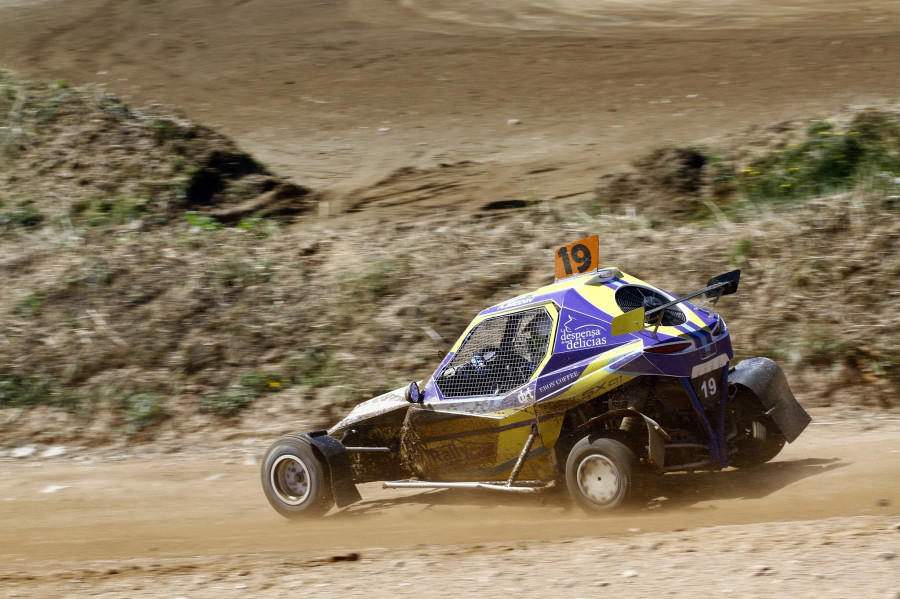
635, 320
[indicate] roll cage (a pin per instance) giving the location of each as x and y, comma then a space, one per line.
498, 354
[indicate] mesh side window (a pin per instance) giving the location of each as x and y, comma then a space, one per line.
498, 355
533, 336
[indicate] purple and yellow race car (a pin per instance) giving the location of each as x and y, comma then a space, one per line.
598, 382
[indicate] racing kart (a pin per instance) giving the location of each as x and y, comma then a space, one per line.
598, 382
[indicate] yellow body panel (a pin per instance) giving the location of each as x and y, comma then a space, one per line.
461, 447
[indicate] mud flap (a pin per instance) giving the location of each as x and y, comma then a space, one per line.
656, 445
339, 467
766, 380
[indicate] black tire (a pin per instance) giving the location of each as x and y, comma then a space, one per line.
600, 474
295, 480
754, 452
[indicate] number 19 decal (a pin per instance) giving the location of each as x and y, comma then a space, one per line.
578, 257
708, 388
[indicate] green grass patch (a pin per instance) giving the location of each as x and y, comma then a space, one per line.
827, 160
164, 130
142, 410
137, 407
243, 391
18, 389
258, 226
202, 223
24, 218
887, 366
315, 366
102, 212
46, 110
31, 305
739, 252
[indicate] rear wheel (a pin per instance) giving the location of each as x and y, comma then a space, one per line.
600, 473
755, 450
294, 479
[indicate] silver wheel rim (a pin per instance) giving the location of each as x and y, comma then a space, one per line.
598, 479
290, 479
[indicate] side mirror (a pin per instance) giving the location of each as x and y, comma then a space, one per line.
413, 395
731, 284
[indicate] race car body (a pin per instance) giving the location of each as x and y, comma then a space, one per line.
597, 381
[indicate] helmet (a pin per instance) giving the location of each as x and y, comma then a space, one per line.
537, 335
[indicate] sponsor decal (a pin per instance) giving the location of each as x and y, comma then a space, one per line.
607, 384
517, 398
525, 395
714, 364
516, 301
559, 382
574, 336
454, 453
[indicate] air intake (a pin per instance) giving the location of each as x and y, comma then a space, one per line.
632, 297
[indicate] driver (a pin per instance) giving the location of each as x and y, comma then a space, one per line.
537, 337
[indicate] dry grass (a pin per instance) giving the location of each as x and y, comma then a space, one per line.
151, 319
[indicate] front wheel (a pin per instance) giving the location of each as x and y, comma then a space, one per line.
600, 473
294, 479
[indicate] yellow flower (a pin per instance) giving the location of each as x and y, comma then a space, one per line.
786, 184
274, 384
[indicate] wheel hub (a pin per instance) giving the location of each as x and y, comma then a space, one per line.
598, 479
290, 479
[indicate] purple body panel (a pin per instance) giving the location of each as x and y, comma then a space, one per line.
583, 334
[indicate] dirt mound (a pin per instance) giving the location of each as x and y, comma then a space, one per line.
785, 162
101, 162
670, 181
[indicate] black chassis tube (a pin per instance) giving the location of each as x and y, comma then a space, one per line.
766, 380
339, 467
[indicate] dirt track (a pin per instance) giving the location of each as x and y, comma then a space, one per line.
341, 94
819, 520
